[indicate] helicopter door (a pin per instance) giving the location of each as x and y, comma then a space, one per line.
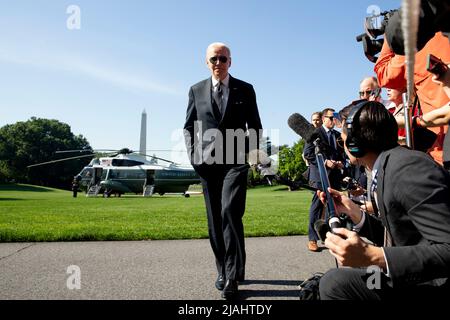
97, 175
149, 183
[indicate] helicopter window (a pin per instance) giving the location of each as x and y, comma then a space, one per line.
113, 174
142, 175
86, 173
126, 163
104, 174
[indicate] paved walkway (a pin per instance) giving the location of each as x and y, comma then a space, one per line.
155, 270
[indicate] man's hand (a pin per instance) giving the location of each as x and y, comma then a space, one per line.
359, 191
343, 204
367, 206
334, 164
444, 81
351, 251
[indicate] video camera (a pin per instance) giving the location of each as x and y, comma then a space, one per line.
433, 17
375, 27
349, 183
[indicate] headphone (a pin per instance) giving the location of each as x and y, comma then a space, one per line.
353, 142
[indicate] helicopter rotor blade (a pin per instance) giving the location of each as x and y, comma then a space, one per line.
85, 150
157, 150
60, 160
155, 157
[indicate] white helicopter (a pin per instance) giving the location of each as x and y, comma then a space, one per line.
127, 171
130, 172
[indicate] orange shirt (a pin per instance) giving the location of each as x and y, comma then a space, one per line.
391, 73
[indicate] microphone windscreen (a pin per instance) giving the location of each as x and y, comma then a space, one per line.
301, 126
334, 223
321, 228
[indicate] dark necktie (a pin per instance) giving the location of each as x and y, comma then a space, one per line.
217, 94
373, 195
373, 190
331, 140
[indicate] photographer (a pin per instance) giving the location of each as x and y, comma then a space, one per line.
391, 70
411, 227
369, 89
440, 116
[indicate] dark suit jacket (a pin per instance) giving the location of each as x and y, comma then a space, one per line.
329, 154
413, 194
241, 113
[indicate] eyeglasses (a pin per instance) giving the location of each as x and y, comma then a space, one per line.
374, 92
222, 59
329, 117
365, 93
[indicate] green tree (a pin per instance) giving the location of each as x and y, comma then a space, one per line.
35, 141
290, 161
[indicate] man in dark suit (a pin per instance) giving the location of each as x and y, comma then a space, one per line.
410, 229
222, 125
333, 156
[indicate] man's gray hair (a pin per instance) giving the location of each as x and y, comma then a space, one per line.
218, 45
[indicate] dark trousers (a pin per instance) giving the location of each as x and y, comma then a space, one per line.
315, 211
356, 284
225, 190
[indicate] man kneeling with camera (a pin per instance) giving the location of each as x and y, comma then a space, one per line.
410, 229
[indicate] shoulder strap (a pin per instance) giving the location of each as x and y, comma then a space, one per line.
416, 104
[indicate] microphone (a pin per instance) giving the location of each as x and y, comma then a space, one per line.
302, 127
334, 223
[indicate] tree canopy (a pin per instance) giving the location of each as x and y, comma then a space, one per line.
291, 164
35, 141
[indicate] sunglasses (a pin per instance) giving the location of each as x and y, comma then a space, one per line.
222, 59
329, 117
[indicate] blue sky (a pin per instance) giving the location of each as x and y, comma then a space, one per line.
300, 56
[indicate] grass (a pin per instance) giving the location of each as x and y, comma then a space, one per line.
31, 213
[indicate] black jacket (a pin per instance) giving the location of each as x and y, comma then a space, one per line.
241, 113
335, 176
413, 194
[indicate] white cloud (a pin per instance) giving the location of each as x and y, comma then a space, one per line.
96, 71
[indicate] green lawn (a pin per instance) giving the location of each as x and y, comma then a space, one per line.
30, 213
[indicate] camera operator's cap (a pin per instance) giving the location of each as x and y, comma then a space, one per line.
394, 33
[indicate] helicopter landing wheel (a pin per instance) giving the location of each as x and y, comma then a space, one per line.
186, 195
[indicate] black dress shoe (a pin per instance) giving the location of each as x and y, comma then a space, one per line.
230, 290
220, 282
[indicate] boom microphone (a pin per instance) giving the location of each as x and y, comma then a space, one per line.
302, 127
334, 223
